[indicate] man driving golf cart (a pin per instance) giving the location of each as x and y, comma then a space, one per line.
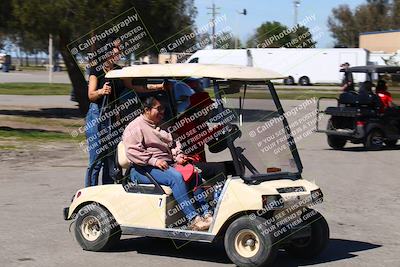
264, 206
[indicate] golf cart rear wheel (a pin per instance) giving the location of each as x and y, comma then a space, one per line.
288, 81
312, 246
96, 229
336, 142
247, 243
374, 140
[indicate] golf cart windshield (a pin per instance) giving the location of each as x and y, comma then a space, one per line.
266, 146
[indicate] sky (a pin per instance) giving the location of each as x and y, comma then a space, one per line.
260, 11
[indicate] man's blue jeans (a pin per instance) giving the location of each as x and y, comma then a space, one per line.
173, 179
93, 142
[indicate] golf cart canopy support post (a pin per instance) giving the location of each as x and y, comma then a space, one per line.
231, 146
292, 144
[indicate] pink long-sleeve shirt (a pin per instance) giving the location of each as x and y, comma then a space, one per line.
145, 143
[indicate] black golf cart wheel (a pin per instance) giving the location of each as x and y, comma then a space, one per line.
304, 81
336, 142
288, 81
390, 143
312, 246
374, 140
247, 243
96, 229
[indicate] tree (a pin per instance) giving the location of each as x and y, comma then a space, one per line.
5, 19
68, 20
274, 35
226, 40
395, 14
376, 15
269, 34
343, 26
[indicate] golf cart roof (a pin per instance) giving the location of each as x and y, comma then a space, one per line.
374, 69
228, 72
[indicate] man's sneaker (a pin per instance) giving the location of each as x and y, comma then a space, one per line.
208, 218
198, 224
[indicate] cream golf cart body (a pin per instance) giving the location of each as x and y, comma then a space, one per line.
254, 212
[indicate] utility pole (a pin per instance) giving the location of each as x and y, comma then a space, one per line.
50, 58
296, 6
214, 13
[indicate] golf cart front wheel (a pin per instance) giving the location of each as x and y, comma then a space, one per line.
247, 243
96, 229
313, 245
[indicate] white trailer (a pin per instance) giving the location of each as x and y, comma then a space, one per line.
301, 65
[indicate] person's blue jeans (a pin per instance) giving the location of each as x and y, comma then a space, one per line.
93, 142
173, 179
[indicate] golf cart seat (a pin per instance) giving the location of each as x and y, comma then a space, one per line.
351, 105
348, 99
124, 163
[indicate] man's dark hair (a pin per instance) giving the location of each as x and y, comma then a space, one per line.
148, 102
381, 86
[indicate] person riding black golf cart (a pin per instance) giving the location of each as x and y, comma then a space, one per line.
362, 117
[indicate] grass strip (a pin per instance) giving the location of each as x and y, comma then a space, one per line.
7, 133
35, 89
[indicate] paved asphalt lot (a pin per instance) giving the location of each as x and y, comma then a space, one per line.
33, 76
361, 206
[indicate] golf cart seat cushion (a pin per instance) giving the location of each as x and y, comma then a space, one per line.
348, 98
166, 189
122, 159
143, 188
341, 111
350, 111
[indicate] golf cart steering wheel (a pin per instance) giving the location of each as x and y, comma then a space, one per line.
220, 143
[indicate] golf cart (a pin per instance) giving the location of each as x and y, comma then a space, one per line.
264, 206
359, 117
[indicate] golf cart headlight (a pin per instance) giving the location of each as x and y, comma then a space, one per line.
272, 202
78, 194
317, 196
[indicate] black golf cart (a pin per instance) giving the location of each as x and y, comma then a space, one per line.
359, 116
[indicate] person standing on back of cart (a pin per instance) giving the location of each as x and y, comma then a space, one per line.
347, 81
99, 89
